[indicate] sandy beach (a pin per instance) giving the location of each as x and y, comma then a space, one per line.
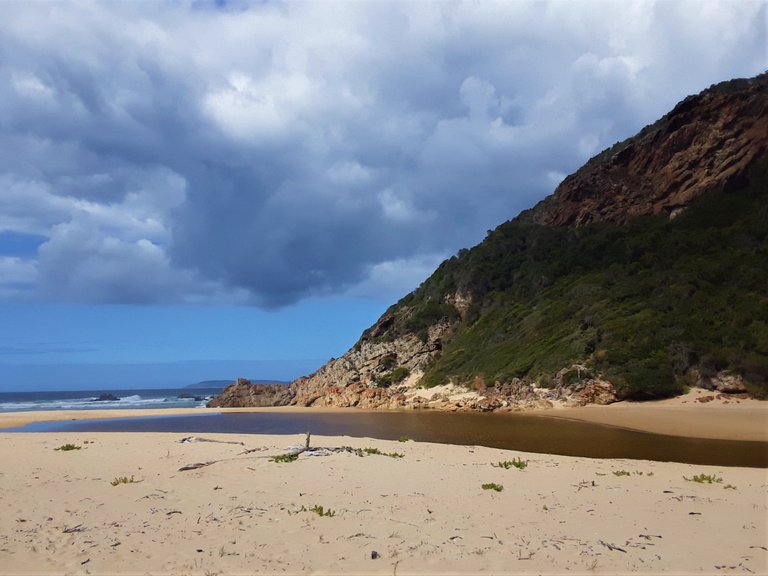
423, 513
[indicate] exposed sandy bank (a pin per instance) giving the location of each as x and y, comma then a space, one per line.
719, 418
423, 513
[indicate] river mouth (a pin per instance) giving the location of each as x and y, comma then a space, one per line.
527, 433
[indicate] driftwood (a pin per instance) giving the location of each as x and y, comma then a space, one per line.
197, 465
611, 546
292, 455
306, 446
198, 439
252, 450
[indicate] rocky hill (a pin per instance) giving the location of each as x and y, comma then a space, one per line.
644, 272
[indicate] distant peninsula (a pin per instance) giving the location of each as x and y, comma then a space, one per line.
224, 383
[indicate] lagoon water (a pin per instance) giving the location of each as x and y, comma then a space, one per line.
525, 432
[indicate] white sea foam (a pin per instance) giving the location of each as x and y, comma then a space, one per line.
92, 403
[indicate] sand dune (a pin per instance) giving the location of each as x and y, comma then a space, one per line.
424, 513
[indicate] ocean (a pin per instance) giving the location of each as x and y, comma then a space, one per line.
89, 399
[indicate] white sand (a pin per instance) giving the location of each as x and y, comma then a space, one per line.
425, 513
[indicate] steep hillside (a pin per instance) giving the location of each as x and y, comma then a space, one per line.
644, 272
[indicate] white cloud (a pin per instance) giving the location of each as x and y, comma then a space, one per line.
31, 86
177, 151
393, 279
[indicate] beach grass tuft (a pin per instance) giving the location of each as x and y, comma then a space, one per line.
319, 510
620, 473
518, 463
67, 447
284, 458
124, 480
705, 479
493, 486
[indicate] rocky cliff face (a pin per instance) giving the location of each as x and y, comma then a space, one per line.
705, 143
364, 375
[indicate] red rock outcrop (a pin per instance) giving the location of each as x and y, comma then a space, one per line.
243, 394
705, 143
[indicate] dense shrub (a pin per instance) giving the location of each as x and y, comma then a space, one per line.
642, 302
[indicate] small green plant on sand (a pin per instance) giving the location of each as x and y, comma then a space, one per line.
518, 463
620, 473
319, 510
404, 439
67, 447
285, 458
705, 479
372, 451
493, 486
378, 452
729, 487
124, 480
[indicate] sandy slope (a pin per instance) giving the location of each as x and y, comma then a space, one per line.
719, 417
423, 513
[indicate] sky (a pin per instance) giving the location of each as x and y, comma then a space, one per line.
207, 190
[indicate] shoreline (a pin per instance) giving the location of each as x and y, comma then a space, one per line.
423, 513
686, 416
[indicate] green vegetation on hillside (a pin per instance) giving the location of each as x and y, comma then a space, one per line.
645, 303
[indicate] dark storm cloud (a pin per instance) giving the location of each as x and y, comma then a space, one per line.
264, 153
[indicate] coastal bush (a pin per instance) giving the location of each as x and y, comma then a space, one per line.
493, 486
620, 473
394, 377
427, 314
644, 303
68, 447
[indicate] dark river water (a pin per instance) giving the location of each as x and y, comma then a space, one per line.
510, 431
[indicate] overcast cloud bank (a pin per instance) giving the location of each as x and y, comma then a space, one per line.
261, 154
